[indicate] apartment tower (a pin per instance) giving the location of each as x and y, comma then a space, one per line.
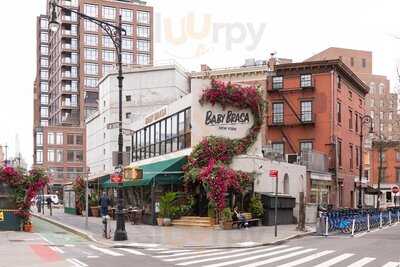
70, 63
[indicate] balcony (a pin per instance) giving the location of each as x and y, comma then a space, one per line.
68, 74
70, 118
66, 60
69, 89
290, 120
69, 3
67, 46
315, 161
68, 33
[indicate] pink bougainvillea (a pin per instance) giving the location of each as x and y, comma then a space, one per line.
210, 159
25, 187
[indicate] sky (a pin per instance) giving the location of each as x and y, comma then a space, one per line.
219, 33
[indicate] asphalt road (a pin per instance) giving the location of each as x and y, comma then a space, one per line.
52, 246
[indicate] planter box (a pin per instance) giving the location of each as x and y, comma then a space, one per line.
226, 225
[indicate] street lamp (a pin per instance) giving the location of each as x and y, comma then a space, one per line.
366, 119
115, 34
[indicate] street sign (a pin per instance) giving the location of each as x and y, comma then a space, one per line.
395, 189
113, 125
128, 132
116, 178
273, 173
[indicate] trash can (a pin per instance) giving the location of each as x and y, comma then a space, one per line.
285, 204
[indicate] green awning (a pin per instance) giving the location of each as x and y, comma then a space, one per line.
163, 172
101, 180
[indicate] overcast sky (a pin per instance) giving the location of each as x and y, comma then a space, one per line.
219, 33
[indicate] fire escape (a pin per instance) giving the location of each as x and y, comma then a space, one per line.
283, 121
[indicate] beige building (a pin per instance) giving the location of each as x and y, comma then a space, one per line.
70, 63
381, 104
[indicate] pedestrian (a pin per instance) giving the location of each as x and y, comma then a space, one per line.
38, 204
49, 202
237, 216
104, 202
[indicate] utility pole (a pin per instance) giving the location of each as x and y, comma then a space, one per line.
380, 178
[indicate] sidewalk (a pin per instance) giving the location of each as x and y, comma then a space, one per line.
175, 236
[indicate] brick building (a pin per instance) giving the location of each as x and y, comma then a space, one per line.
314, 111
70, 63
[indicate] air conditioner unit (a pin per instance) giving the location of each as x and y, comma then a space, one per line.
292, 158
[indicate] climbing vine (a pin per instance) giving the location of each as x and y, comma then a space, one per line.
210, 159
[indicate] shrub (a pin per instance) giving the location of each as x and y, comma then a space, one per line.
256, 207
226, 215
167, 205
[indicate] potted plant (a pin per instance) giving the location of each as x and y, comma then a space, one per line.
226, 219
166, 208
94, 205
256, 207
211, 211
27, 226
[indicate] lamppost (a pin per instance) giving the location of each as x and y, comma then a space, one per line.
115, 34
366, 119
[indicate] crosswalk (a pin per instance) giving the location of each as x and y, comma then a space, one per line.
277, 255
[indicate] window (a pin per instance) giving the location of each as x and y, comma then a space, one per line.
39, 139
59, 155
143, 17
50, 138
44, 23
391, 115
108, 55
143, 32
350, 119
91, 40
44, 37
126, 43
128, 115
91, 82
339, 152
44, 112
143, 46
278, 148
107, 68
339, 112
305, 80
388, 197
277, 82
44, 50
306, 146
90, 54
381, 103
364, 63
127, 58
91, 68
128, 29
350, 95
107, 42
74, 155
50, 155
90, 26
397, 175
357, 157
381, 115
351, 156
39, 156
91, 10
381, 127
339, 82
381, 87
306, 111
44, 99
60, 139
44, 123
109, 12
44, 87
127, 15
44, 74
356, 117
352, 61
128, 98
44, 62
277, 113
143, 59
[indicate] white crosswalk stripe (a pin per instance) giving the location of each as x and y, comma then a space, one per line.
307, 259
392, 264
132, 251
188, 253
362, 262
247, 252
279, 258
174, 251
335, 260
229, 263
106, 251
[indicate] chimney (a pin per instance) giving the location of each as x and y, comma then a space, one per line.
205, 67
271, 62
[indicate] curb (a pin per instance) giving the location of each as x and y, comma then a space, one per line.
89, 237
71, 229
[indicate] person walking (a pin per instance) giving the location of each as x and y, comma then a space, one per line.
104, 202
49, 202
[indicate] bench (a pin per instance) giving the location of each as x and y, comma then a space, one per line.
250, 220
